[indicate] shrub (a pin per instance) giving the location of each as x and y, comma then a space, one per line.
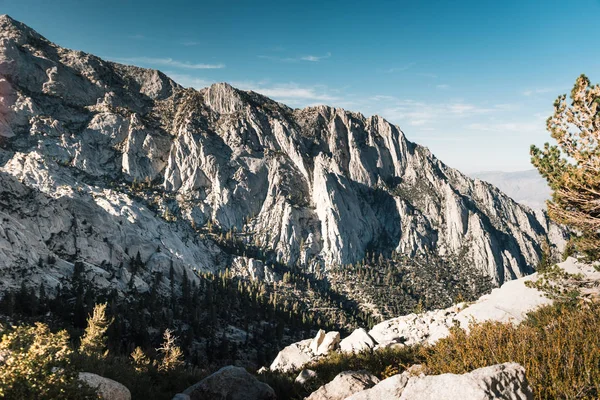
172, 356
93, 342
36, 364
382, 363
558, 345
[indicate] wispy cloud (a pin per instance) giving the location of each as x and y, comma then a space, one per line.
137, 37
400, 68
315, 58
188, 80
290, 92
443, 86
418, 113
531, 92
189, 43
168, 62
310, 58
383, 97
513, 127
427, 75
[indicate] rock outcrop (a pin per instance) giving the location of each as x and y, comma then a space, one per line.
107, 388
358, 341
502, 381
296, 355
509, 303
390, 389
293, 357
344, 385
230, 383
145, 162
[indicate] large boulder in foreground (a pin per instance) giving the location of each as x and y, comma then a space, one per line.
106, 388
502, 381
389, 389
230, 383
343, 385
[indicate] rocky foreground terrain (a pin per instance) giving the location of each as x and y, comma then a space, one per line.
100, 161
509, 303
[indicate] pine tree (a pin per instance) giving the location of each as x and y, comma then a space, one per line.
172, 356
572, 167
93, 342
140, 360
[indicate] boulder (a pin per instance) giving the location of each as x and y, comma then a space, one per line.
230, 383
107, 388
388, 389
181, 396
262, 370
305, 375
358, 341
316, 342
501, 381
411, 329
293, 357
329, 343
344, 385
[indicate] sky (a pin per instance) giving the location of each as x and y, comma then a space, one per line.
472, 80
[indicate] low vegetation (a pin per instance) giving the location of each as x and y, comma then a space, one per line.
558, 345
382, 363
37, 363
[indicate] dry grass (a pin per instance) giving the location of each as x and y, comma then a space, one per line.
559, 346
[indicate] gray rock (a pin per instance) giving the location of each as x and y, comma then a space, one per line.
107, 388
230, 383
329, 343
305, 375
317, 340
388, 389
293, 357
502, 381
181, 396
299, 182
357, 341
344, 385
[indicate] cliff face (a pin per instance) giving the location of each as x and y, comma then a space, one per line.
317, 186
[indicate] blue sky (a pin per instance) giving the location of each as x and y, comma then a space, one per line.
472, 80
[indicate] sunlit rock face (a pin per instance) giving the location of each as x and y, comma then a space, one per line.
316, 187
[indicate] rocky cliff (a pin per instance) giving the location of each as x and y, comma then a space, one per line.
100, 161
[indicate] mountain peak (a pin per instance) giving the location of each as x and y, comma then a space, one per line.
18, 31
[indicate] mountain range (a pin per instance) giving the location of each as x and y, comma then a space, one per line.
102, 162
